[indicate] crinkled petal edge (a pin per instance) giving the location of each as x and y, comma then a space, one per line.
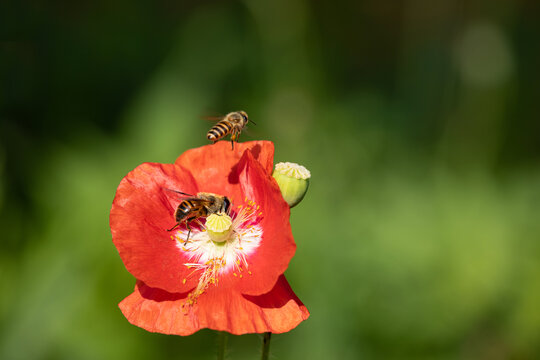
156, 310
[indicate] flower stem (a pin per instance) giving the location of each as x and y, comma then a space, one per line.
222, 345
266, 345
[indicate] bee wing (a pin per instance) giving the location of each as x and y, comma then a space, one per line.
250, 132
200, 201
213, 118
179, 195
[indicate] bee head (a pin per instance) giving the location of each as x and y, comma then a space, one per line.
226, 205
244, 116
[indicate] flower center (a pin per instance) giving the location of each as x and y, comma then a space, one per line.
218, 227
221, 246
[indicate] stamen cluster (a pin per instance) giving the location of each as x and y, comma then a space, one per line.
213, 258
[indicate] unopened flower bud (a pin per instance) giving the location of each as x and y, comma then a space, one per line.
293, 181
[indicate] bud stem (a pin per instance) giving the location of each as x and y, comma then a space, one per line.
222, 345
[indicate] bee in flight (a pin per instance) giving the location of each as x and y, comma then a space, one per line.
202, 205
232, 123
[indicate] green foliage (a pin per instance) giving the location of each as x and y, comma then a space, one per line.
417, 239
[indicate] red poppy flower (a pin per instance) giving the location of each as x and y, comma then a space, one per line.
234, 285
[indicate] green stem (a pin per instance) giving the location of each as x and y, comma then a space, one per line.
222, 345
266, 345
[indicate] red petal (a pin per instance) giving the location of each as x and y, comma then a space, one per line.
141, 213
214, 166
155, 310
277, 246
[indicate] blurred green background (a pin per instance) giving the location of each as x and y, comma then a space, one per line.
420, 235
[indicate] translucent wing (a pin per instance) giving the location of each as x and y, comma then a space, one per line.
179, 195
178, 192
213, 118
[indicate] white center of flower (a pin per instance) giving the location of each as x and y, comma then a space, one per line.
293, 170
221, 246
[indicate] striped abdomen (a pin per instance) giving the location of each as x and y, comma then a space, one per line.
219, 130
189, 209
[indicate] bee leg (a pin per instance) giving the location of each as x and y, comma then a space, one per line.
174, 227
189, 232
234, 137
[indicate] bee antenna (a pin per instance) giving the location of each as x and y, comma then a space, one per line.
253, 122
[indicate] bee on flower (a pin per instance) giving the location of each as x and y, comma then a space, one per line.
229, 275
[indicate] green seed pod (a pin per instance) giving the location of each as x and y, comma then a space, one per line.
293, 181
218, 227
